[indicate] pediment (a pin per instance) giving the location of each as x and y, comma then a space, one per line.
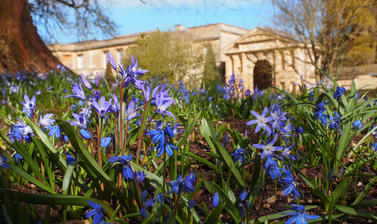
257, 36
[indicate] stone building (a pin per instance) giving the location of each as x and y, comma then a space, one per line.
261, 57
90, 57
265, 58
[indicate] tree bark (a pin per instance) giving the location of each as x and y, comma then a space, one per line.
21, 47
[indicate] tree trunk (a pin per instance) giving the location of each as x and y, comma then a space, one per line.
21, 47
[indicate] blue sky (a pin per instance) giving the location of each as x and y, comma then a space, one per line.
134, 16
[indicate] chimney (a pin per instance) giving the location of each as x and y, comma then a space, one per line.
179, 27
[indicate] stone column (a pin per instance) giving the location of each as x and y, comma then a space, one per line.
228, 67
245, 72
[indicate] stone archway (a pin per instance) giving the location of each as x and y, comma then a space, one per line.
262, 74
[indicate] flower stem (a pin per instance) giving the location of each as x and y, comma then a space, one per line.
140, 135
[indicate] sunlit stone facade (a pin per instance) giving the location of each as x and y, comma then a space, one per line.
89, 57
264, 58
261, 57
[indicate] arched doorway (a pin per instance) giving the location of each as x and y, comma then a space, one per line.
262, 74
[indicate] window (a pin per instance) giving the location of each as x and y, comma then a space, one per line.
80, 61
120, 56
105, 58
205, 51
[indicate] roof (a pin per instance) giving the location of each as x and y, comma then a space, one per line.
197, 33
259, 35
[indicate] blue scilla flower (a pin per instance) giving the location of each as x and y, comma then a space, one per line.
85, 82
177, 129
146, 89
81, 121
150, 203
18, 157
46, 120
334, 122
105, 142
239, 155
287, 152
159, 137
215, 199
97, 212
290, 184
127, 167
13, 89
243, 195
357, 124
112, 61
261, 121
16, 132
244, 204
3, 161
70, 159
131, 110
299, 216
77, 91
115, 107
272, 168
54, 130
180, 184
96, 94
130, 76
299, 130
163, 102
241, 85
257, 93
320, 113
143, 212
339, 92
144, 195
140, 176
102, 106
85, 134
20, 131
30, 105
268, 148
311, 94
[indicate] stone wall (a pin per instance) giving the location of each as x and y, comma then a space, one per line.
89, 57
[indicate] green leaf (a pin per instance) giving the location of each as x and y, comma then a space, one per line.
354, 211
156, 181
366, 204
279, 215
207, 130
46, 162
30, 178
148, 220
20, 148
223, 195
228, 161
189, 130
365, 190
214, 216
316, 190
59, 160
204, 161
89, 163
339, 191
55, 199
68, 176
344, 141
